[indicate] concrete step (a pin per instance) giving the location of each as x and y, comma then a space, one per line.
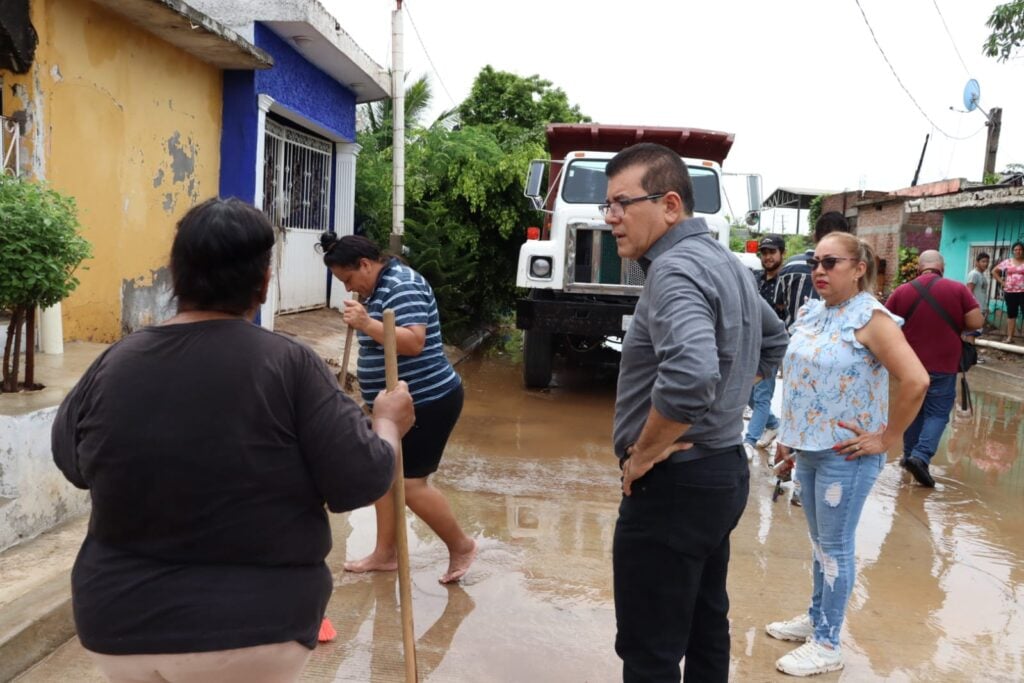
35, 596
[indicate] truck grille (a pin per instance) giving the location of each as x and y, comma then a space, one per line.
593, 264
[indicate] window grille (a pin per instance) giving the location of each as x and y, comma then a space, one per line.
10, 146
296, 178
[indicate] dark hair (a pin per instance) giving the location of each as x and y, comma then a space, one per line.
981, 256
833, 221
220, 256
348, 250
1016, 244
664, 171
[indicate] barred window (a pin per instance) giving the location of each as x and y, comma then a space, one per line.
296, 178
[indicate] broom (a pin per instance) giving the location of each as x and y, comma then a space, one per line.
398, 489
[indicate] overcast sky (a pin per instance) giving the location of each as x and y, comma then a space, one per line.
801, 83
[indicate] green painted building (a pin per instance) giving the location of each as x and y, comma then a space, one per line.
975, 220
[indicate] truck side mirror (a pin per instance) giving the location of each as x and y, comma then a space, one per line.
534, 180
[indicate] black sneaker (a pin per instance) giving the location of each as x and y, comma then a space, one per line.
919, 468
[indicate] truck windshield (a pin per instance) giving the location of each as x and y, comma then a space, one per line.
586, 183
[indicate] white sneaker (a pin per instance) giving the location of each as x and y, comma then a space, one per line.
750, 451
797, 628
767, 436
809, 659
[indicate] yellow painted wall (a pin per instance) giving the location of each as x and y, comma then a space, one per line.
130, 126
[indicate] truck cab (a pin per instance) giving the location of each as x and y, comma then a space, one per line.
580, 292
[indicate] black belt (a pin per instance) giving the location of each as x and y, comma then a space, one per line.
699, 452
696, 452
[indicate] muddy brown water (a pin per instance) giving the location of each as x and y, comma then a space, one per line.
939, 596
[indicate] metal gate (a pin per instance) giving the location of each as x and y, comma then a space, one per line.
297, 199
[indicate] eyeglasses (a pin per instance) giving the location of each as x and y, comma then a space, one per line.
828, 263
617, 208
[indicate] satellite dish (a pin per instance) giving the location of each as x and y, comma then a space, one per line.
972, 93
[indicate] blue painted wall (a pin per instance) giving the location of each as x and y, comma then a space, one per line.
294, 83
238, 136
303, 88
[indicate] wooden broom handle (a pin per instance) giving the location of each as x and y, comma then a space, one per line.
398, 491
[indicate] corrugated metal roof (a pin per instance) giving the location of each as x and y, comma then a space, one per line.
793, 198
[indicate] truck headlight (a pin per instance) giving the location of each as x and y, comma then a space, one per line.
540, 267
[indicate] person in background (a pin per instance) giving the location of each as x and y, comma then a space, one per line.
839, 422
210, 447
980, 283
700, 338
763, 425
384, 282
1010, 276
939, 348
796, 285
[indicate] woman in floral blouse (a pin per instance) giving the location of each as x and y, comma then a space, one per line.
1010, 276
838, 422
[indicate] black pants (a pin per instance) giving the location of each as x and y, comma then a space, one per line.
671, 559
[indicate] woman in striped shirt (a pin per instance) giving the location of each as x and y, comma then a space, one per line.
384, 282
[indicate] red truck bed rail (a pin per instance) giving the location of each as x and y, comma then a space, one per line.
695, 143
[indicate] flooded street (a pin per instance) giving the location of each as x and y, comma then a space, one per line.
940, 594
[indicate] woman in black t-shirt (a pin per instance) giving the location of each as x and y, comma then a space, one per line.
210, 447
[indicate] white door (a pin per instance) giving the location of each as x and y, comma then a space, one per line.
297, 198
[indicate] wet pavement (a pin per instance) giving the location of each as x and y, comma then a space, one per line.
940, 595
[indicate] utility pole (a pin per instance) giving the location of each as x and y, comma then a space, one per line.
398, 133
995, 123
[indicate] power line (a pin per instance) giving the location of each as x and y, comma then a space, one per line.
429, 60
955, 48
896, 75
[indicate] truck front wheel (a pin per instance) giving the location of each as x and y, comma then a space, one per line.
537, 359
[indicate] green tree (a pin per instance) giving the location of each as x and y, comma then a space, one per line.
797, 244
379, 116
814, 210
40, 248
1007, 24
465, 210
517, 108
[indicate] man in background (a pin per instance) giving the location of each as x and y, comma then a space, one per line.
938, 345
764, 426
980, 283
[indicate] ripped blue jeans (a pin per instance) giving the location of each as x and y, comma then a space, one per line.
833, 491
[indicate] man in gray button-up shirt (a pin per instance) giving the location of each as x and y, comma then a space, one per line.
700, 336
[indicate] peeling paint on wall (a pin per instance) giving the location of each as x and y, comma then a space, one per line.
169, 202
147, 300
183, 162
32, 105
159, 179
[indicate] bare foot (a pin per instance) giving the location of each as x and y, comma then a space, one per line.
374, 562
458, 564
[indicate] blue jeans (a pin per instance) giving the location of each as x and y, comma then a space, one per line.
922, 437
833, 490
761, 404
670, 559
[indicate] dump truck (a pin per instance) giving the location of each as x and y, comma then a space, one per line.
580, 294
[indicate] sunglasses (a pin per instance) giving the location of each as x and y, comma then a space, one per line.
828, 263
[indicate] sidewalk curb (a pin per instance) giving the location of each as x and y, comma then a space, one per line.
34, 625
